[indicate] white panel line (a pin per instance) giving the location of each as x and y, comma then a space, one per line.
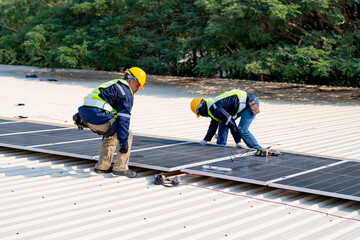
38, 131
304, 172
8, 122
74, 141
215, 160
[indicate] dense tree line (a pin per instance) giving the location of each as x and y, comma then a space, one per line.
305, 41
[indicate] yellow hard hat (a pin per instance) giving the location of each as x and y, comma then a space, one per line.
194, 104
139, 74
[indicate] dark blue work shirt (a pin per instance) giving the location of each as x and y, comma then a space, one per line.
123, 104
224, 110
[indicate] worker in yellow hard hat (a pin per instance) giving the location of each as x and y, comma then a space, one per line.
107, 111
223, 111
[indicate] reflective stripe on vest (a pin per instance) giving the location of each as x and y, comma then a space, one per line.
93, 99
242, 95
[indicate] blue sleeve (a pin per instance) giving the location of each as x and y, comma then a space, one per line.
122, 101
123, 120
211, 130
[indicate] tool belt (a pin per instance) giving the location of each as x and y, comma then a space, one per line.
81, 125
78, 121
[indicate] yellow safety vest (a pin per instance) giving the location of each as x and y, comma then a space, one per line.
93, 99
242, 95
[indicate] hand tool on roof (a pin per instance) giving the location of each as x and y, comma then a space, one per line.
264, 153
161, 179
223, 169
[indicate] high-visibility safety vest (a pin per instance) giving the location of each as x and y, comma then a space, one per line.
93, 99
242, 95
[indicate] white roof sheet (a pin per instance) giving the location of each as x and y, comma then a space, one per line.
47, 197
51, 197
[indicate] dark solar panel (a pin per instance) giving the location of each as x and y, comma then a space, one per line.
26, 127
5, 120
320, 175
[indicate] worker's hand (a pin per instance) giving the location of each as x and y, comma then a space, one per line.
124, 149
238, 145
254, 107
203, 142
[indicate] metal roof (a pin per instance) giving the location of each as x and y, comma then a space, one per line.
50, 197
46, 196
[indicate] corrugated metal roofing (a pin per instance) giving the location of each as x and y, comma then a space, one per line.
50, 197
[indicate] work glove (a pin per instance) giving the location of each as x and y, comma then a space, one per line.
124, 149
203, 142
238, 145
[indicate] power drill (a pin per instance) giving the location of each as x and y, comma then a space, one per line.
264, 153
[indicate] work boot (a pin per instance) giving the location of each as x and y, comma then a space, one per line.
127, 173
98, 171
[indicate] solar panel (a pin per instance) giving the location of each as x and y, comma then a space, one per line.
313, 174
149, 152
16, 126
304, 173
5, 121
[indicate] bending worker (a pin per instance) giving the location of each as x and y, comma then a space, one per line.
107, 111
223, 111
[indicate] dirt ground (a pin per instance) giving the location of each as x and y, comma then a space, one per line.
263, 90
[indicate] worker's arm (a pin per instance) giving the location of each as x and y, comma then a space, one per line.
122, 101
228, 120
211, 130
123, 120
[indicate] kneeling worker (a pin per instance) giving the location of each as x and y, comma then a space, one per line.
107, 111
223, 111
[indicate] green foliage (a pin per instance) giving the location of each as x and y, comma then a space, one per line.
305, 41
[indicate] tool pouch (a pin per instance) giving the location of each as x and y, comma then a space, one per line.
111, 131
78, 121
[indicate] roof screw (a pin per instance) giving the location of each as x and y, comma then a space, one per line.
144, 218
184, 226
74, 203
109, 210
